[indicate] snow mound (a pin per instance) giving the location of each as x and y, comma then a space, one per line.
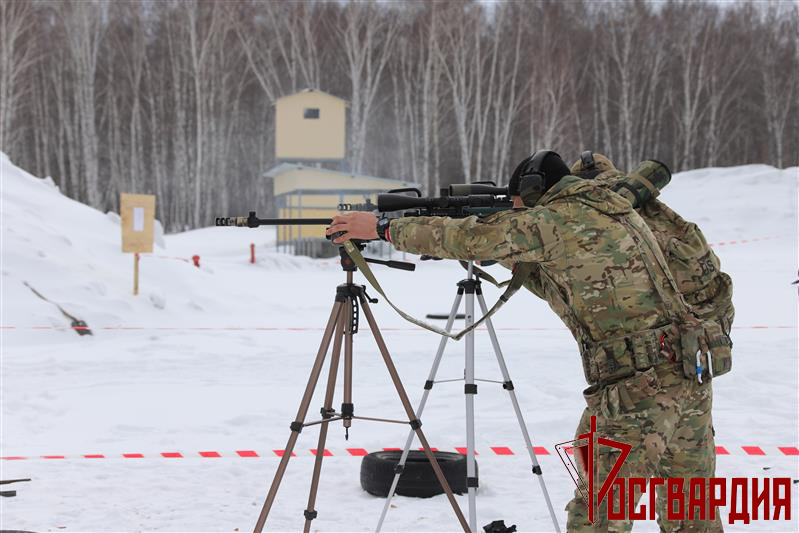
71, 253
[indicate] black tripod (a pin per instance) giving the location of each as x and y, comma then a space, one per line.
341, 326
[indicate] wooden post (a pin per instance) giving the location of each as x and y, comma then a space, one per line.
252, 253
135, 274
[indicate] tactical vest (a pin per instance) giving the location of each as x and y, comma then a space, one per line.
609, 360
697, 295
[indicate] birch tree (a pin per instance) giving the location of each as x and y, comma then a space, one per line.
469, 54
280, 42
507, 103
293, 26
628, 65
416, 79
84, 29
549, 73
132, 63
691, 60
366, 35
779, 85
728, 56
18, 54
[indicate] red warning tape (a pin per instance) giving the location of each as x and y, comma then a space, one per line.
360, 452
282, 329
721, 243
166, 257
744, 241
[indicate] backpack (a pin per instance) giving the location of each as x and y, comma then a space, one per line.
694, 265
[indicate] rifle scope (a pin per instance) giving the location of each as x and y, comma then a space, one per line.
398, 202
468, 189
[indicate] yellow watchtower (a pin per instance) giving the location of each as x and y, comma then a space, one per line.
311, 129
310, 126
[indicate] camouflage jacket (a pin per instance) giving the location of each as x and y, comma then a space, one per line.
595, 252
691, 261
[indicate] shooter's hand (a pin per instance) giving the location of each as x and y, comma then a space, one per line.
356, 225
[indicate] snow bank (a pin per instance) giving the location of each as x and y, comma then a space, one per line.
71, 253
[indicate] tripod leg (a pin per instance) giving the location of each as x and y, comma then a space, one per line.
470, 390
347, 407
415, 422
508, 385
296, 426
310, 512
427, 387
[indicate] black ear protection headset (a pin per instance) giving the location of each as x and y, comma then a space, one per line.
532, 181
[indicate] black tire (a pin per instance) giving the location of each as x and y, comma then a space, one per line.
418, 479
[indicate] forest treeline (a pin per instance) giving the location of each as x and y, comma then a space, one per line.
175, 97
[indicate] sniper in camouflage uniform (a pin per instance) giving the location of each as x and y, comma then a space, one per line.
596, 253
689, 451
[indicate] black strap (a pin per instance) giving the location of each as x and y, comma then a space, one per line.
638, 200
587, 160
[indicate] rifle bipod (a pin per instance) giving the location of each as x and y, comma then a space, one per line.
350, 301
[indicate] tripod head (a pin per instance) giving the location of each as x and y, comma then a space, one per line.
347, 264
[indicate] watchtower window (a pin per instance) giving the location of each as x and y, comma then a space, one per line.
311, 112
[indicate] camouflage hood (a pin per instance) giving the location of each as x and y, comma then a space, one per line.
572, 188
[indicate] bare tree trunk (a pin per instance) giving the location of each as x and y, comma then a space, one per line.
43, 136
461, 56
691, 54
178, 65
367, 36
602, 81
726, 61
84, 30
506, 106
133, 60
111, 125
779, 87
156, 94
287, 41
18, 53
550, 84
621, 53
415, 77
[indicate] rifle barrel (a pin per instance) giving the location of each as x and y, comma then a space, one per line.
253, 221
295, 221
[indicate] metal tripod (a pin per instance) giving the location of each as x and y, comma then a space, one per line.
350, 298
471, 286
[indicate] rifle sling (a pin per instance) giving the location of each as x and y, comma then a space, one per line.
520, 274
482, 274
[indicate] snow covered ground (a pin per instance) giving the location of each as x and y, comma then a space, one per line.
215, 359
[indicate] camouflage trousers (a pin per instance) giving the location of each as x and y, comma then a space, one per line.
667, 421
